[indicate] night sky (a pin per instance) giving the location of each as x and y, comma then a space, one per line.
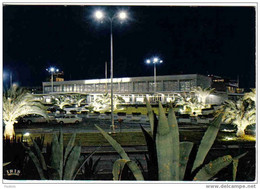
203, 40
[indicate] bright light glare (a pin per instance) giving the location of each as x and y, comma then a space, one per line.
52, 69
122, 15
99, 15
26, 134
155, 60
148, 61
57, 70
161, 61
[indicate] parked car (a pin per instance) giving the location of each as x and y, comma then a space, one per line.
29, 119
56, 110
72, 109
64, 119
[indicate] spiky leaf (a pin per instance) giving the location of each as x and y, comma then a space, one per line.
82, 163
235, 165
212, 168
185, 149
114, 143
56, 161
5, 164
150, 113
132, 166
69, 147
174, 130
39, 155
207, 141
37, 164
152, 163
118, 167
72, 162
164, 147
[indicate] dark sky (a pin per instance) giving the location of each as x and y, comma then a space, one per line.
203, 40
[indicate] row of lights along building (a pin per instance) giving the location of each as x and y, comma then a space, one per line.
134, 89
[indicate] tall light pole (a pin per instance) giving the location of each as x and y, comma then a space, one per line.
120, 16
52, 70
154, 61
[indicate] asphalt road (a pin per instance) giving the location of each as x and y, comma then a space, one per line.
87, 125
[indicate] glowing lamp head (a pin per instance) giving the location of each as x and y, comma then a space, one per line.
57, 70
155, 60
99, 15
52, 69
122, 15
161, 61
148, 61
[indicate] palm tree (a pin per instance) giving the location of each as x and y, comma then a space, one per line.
78, 99
202, 93
250, 97
17, 103
240, 114
103, 103
191, 103
62, 101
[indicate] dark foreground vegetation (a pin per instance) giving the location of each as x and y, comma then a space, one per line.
132, 155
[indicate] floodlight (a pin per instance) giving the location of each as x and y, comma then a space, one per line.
52, 69
122, 15
148, 61
99, 15
155, 60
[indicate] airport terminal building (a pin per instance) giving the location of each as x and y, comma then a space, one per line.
133, 89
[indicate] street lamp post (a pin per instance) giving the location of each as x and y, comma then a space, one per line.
155, 61
122, 16
52, 70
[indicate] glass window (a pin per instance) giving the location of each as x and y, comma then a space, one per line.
89, 87
159, 86
192, 83
100, 87
185, 85
124, 87
170, 85
70, 88
115, 86
140, 86
151, 86
57, 88
65, 88
47, 89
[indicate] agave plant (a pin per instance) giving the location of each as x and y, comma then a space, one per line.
18, 102
65, 162
172, 163
168, 155
239, 113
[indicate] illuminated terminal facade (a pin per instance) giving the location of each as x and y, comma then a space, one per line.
132, 89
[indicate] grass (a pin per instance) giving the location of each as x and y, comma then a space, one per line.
140, 109
137, 138
94, 139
